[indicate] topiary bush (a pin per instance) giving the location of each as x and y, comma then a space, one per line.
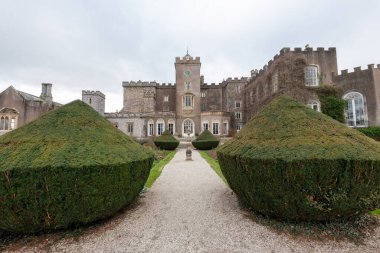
293, 163
372, 132
166, 141
69, 167
205, 141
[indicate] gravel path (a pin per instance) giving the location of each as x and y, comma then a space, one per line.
189, 209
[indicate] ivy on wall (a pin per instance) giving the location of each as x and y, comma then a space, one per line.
332, 103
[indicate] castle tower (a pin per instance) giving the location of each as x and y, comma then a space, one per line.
95, 99
188, 80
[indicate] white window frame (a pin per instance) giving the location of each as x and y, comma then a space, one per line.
237, 115
205, 125
172, 123
160, 130
203, 94
184, 127
215, 130
237, 104
311, 75
150, 128
188, 101
315, 105
166, 98
353, 99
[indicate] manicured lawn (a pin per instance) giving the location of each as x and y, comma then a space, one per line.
158, 166
376, 213
214, 165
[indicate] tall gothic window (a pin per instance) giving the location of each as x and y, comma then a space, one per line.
2, 123
150, 127
355, 109
311, 75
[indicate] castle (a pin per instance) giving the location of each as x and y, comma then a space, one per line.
190, 106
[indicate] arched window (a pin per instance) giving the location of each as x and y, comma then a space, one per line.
2, 123
160, 126
171, 126
315, 105
6, 123
188, 127
355, 110
311, 75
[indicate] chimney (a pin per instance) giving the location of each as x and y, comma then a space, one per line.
46, 92
202, 80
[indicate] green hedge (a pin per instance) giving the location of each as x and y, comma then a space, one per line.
205, 141
293, 163
373, 132
69, 167
166, 141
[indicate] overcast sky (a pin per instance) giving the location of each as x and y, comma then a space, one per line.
95, 45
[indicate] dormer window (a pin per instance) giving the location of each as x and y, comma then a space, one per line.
311, 75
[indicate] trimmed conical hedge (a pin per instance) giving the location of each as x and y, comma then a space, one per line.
69, 167
166, 141
205, 141
293, 163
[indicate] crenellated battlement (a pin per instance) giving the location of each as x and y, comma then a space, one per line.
359, 69
167, 85
91, 92
188, 59
306, 50
237, 79
140, 84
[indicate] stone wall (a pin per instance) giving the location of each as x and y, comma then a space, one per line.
139, 97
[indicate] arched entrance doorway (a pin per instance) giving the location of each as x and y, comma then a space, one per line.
188, 128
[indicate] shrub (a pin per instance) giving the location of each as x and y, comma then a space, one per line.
373, 132
331, 102
291, 162
166, 141
205, 141
69, 167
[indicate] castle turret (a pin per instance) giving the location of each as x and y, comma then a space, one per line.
95, 99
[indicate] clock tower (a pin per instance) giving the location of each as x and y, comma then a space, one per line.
188, 91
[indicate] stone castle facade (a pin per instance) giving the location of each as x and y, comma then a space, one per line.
189, 106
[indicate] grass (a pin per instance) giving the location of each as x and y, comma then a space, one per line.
214, 164
159, 163
376, 213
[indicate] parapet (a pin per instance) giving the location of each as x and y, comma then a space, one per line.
236, 79
188, 59
91, 92
359, 69
140, 84
306, 50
